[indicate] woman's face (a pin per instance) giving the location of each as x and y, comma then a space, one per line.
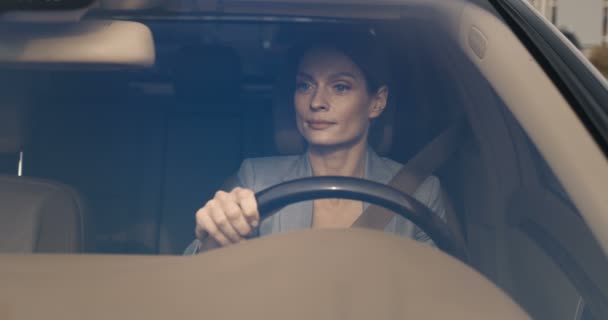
333, 104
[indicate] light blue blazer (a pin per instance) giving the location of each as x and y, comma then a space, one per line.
260, 173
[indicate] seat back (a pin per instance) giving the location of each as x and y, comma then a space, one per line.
40, 216
35, 215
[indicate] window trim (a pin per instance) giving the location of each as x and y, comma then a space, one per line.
585, 92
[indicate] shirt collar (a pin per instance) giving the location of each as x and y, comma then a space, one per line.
375, 168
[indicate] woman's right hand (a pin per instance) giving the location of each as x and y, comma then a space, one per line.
229, 217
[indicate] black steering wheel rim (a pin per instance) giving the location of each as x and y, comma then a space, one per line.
276, 197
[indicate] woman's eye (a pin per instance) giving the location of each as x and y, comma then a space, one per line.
341, 87
302, 86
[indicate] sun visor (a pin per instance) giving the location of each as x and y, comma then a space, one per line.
94, 44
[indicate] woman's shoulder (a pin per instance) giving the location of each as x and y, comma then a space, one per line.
426, 190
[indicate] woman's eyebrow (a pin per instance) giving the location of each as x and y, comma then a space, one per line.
332, 76
304, 75
343, 74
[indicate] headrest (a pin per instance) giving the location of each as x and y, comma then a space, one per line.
212, 73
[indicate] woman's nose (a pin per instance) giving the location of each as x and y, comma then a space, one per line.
318, 101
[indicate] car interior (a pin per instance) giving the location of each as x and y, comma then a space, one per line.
110, 150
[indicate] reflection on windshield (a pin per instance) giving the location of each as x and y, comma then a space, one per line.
167, 159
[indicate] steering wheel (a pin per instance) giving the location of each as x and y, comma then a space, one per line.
281, 195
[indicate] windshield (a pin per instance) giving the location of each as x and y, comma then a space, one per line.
243, 98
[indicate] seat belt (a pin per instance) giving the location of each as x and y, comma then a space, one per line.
413, 173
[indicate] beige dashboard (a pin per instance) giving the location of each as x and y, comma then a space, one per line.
315, 274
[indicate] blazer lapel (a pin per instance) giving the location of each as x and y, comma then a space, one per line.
297, 216
376, 170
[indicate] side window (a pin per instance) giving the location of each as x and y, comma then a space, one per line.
585, 313
577, 252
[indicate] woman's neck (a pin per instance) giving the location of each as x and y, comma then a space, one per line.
348, 161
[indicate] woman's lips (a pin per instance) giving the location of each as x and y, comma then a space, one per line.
319, 124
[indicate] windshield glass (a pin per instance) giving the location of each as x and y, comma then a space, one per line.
147, 159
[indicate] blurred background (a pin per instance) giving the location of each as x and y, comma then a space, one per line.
584, 22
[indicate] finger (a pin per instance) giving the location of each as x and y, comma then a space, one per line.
249, 206
221, 222
199, 230
235, 215
211, 228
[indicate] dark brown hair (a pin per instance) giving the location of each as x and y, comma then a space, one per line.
359, 44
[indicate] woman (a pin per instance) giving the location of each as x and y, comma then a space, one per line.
341, 86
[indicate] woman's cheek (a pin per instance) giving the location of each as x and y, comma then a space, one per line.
356, 114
